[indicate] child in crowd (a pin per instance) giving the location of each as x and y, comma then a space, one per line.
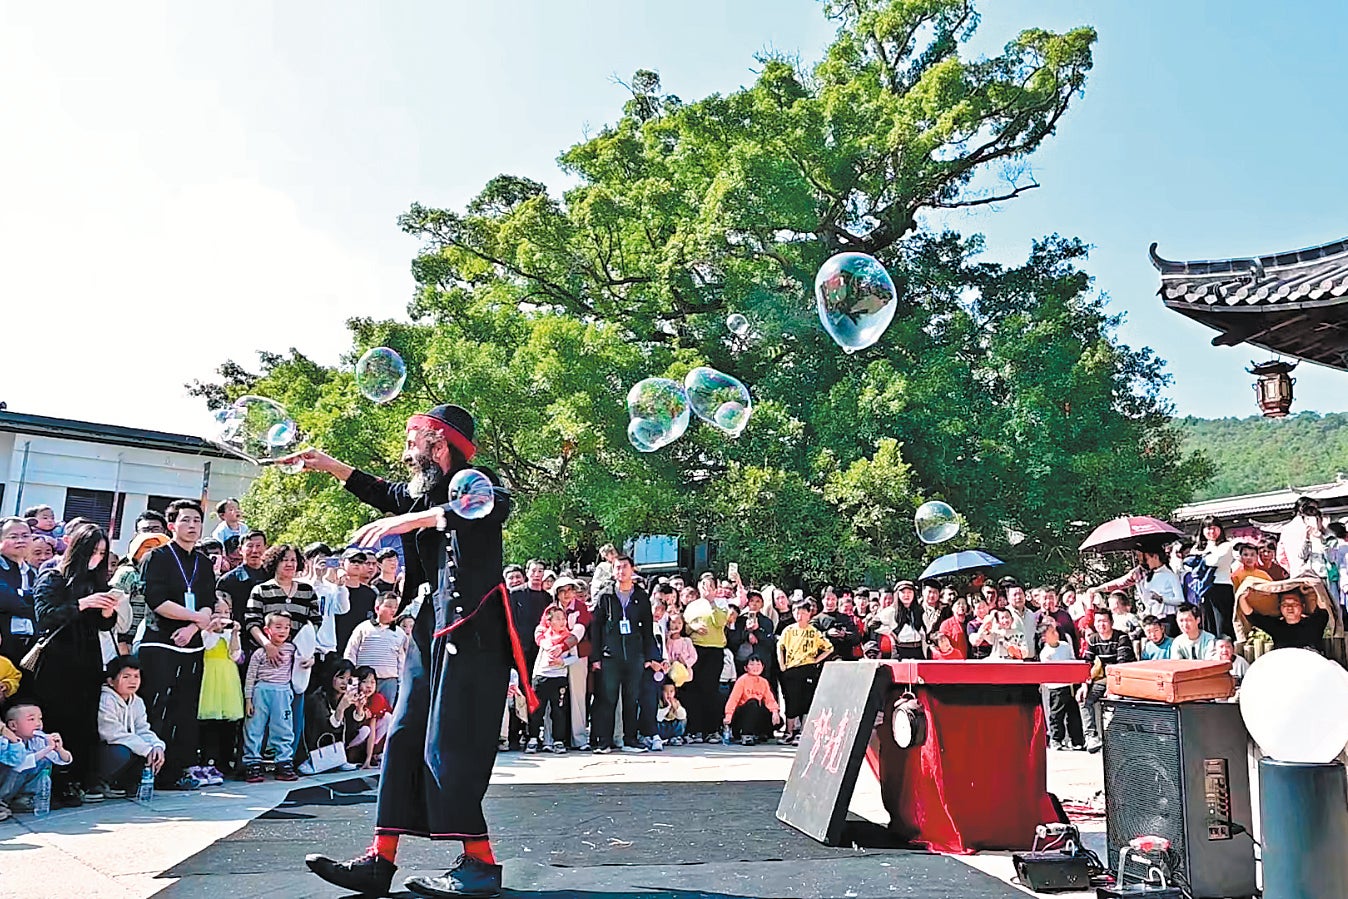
127, 744
751, 712
10, 676
42, 519
1226, 651
231, 521
267, 702
945, 648
221, 707
1064, 716
377, 644
1124, 618
516, 709
801, 651
369, 717
26, 756
1155, 642
557, 643
671, 718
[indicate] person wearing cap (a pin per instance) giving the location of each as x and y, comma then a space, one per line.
127, 579
908, 629
439, 754
361, 596
386, 564
570, 595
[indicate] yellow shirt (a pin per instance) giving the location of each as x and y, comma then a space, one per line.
9, 675
801, 645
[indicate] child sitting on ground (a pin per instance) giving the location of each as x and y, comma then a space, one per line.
751, 711
671, 718
127, 744
268, 698
26, 756
370, 717
557, 644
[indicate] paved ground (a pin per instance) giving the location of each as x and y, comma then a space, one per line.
119, 848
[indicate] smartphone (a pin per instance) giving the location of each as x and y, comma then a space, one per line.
732, 570
332, 562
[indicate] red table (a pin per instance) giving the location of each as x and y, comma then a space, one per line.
980, 779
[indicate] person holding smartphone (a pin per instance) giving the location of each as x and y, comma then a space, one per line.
323, 572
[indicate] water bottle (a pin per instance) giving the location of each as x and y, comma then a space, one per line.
146, 790
42, 794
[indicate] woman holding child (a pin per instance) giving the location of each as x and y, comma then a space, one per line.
73, 607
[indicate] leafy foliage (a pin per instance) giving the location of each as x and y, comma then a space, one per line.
999, 389
1256, 454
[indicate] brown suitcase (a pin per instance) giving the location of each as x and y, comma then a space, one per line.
1171, 680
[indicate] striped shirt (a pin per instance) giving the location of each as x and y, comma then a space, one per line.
263, 671
381, 647
301, 606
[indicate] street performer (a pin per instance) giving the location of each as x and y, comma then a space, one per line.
442, 743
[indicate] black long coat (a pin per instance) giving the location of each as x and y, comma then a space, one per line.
442, 743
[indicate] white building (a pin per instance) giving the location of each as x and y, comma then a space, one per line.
108, 473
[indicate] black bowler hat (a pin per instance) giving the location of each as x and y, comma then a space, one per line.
454, 422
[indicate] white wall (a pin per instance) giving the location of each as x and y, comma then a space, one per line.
55, 464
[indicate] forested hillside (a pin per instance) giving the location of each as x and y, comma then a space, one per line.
1256, 454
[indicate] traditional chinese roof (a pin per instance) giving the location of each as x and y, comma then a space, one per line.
1294, 304
1274, 505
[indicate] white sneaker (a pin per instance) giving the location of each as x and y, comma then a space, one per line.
347, 766
657, 744
634, 748
306, 767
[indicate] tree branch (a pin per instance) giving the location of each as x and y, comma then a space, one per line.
964, 204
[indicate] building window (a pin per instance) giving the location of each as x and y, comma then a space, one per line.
160, 503
96, 505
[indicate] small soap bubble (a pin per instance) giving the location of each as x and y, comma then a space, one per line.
737, 324
256, 428
856, 300
718, 399
471, 494
380, 375
936, 522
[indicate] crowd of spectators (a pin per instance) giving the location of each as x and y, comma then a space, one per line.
200, 659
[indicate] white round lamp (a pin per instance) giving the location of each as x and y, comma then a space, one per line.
1292, 701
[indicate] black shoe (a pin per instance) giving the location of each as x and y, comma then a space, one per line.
370, 875
468, 877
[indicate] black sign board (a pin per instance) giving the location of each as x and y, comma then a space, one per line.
832, 749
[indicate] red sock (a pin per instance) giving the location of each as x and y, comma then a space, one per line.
386, 845
480, 850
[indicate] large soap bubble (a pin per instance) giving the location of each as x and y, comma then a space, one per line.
936, 522
259, 429
658, 410
471, 494
737, 324
719, 399
1291, 700
380, 375
856, 300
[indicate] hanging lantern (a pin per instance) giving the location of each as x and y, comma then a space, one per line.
1274, 387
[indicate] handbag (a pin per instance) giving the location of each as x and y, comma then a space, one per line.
33, 657
327, 756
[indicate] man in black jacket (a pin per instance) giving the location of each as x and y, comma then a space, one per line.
622, 646
840, 629
1108, 647
17, 619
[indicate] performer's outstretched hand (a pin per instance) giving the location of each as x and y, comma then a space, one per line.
372, 533
317, 460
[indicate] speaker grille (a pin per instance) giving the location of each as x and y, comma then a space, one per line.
1143, 771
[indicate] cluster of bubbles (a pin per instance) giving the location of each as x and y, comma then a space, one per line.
936, 522
856, 300
471, 494
380, 375
659, 409
258, 429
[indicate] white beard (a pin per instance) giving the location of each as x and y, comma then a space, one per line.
425, 479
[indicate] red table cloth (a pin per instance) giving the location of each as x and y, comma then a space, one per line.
980, 779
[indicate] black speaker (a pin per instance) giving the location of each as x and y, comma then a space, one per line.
1182, 772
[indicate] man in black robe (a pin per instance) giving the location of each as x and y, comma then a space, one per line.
442, 743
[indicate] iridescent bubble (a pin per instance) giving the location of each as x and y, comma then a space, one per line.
658, 411
856, 300
256, 428
292, 467
737, 324
936, 522
380, 375
644, 435
709, 391
282, 434
731, 417
471, 494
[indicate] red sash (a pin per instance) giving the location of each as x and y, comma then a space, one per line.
516, 650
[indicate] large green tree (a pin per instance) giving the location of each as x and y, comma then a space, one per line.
1001, 389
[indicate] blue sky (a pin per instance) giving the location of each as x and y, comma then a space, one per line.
250, 161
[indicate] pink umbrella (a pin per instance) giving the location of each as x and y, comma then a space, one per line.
1129, 532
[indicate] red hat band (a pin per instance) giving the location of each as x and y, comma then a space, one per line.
450, 433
